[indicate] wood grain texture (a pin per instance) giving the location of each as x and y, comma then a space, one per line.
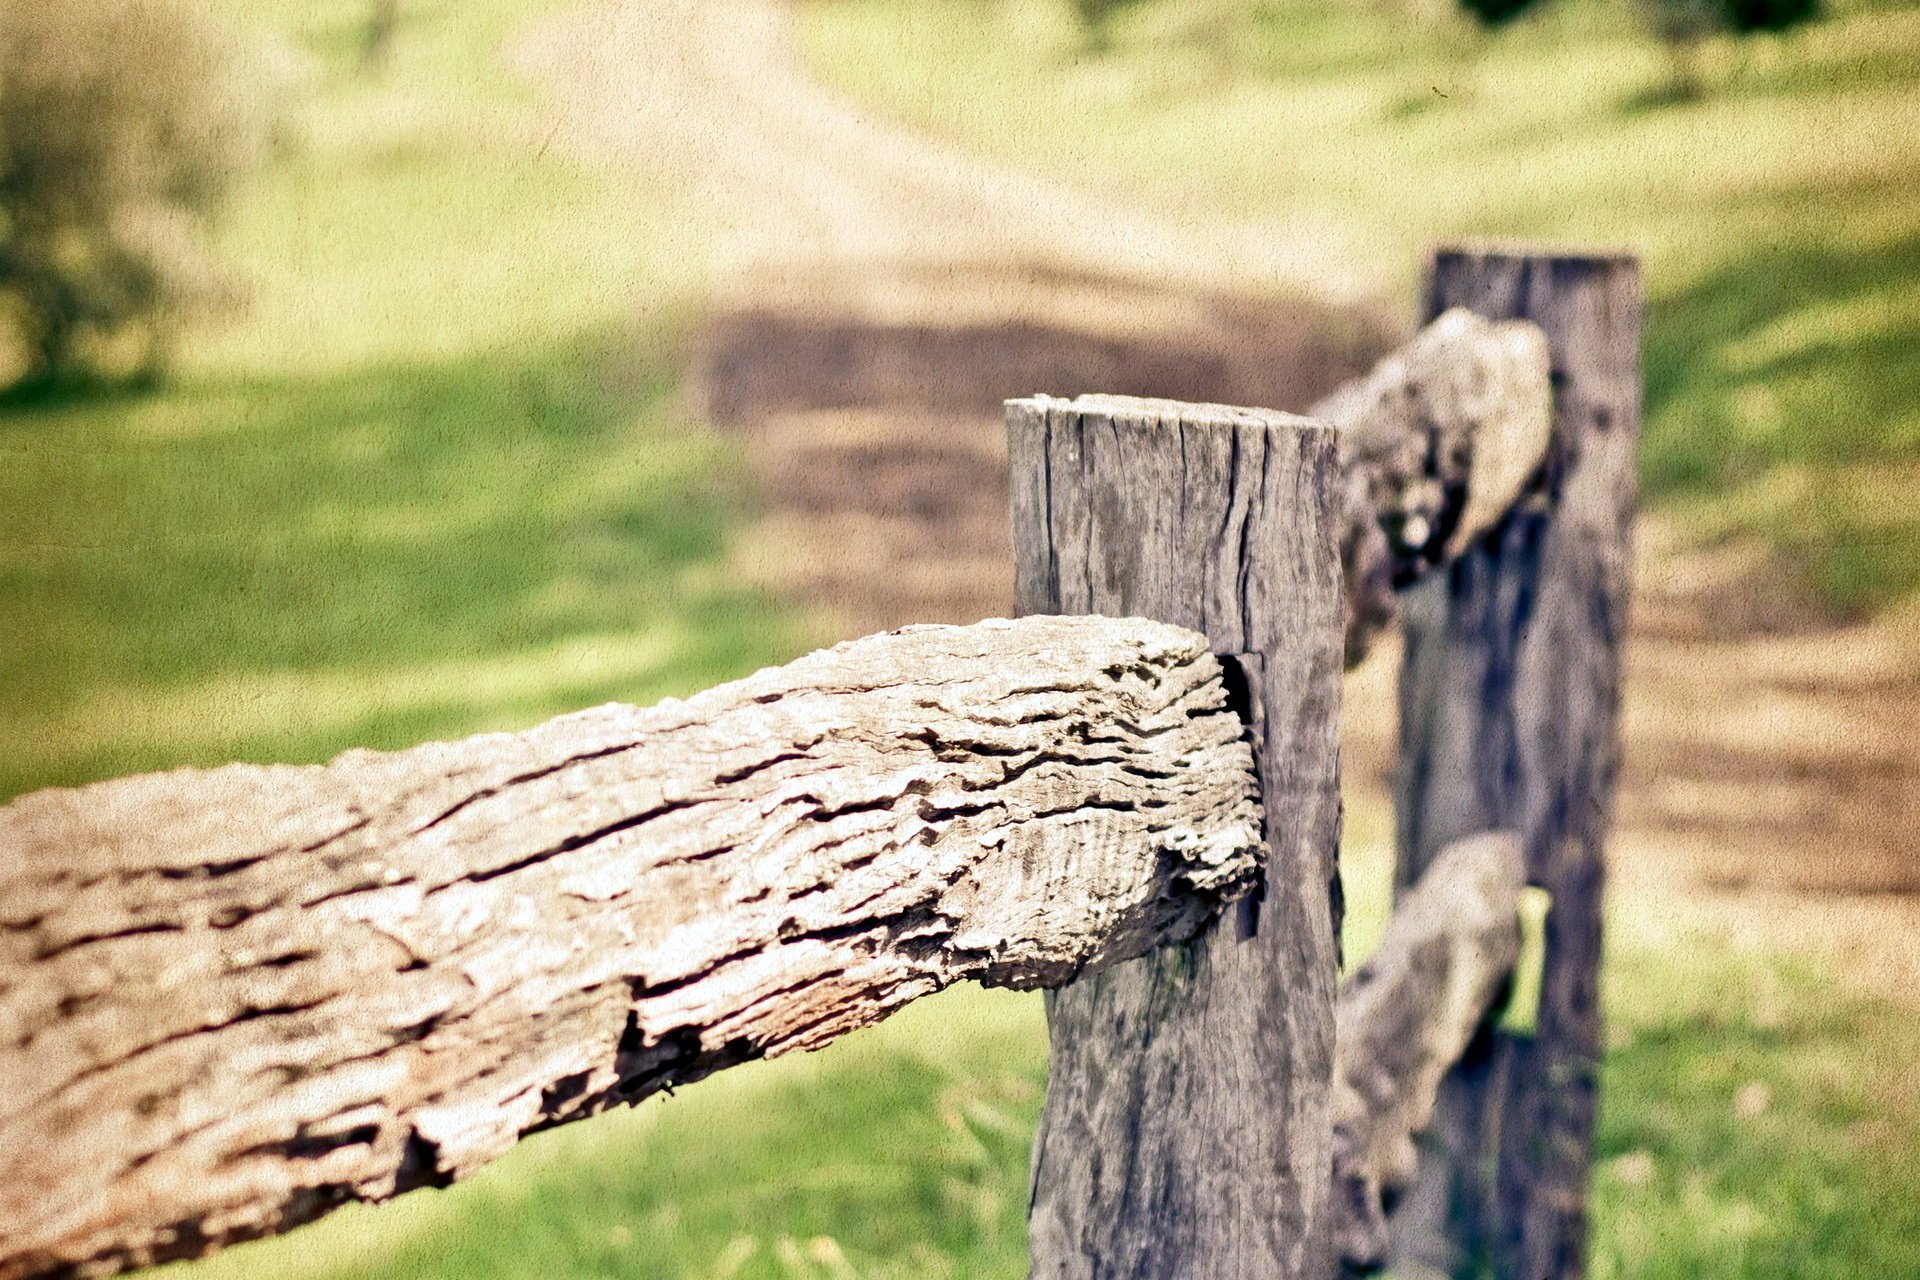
233, 999
1436, 443
1405, 1017
1510, 693
1186, 1129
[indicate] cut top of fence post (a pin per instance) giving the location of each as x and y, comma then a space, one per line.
1157, 509
1186, 1130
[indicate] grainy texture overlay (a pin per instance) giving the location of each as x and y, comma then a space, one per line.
1510, 694
1405, 1017
1186, 1130
232, 999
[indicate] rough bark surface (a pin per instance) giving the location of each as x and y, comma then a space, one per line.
1405, 1017
1436, 443
1185, 1130
232, 999
1510, 694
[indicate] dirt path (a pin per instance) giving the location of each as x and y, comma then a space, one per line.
875, 297
718, 94
877, 294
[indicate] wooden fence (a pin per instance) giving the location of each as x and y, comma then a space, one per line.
232, 1000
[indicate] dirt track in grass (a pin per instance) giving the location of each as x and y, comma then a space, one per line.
877, 294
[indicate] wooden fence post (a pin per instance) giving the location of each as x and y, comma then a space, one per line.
1186, 1130
1509, 696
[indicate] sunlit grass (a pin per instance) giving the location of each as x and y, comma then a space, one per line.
1775, 215
1756, 1123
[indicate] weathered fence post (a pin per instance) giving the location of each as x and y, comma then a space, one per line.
1509, 697
1186, 1130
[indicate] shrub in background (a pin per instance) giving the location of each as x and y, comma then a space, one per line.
1497, 13
1686, 25
124, 126
1095, 17
1683, 26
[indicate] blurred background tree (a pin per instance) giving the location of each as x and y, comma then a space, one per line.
1491, 14
1096, 17
1685, 26
124, 127
383, 18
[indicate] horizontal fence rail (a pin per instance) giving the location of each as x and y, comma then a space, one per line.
233, 999
1436, 443
1404, 1018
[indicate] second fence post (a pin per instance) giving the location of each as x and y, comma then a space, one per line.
1509, 698
1186, 1129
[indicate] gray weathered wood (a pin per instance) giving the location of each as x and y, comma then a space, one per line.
1405, 1017
1185, 1130
1510, 692
1436, 442
233, 999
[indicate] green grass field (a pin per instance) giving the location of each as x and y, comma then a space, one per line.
436, 479
1776, 215
432, 478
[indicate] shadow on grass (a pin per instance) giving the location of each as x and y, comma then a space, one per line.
1788, 71
1282, 351
19, 402
1796, 363
1775, 317
259, 568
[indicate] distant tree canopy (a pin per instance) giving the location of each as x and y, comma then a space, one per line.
1095, 14
1698, 18
123, 126
1743, 16
1497, 13
1682, 25
1672, 20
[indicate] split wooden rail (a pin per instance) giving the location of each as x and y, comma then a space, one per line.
233, 999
